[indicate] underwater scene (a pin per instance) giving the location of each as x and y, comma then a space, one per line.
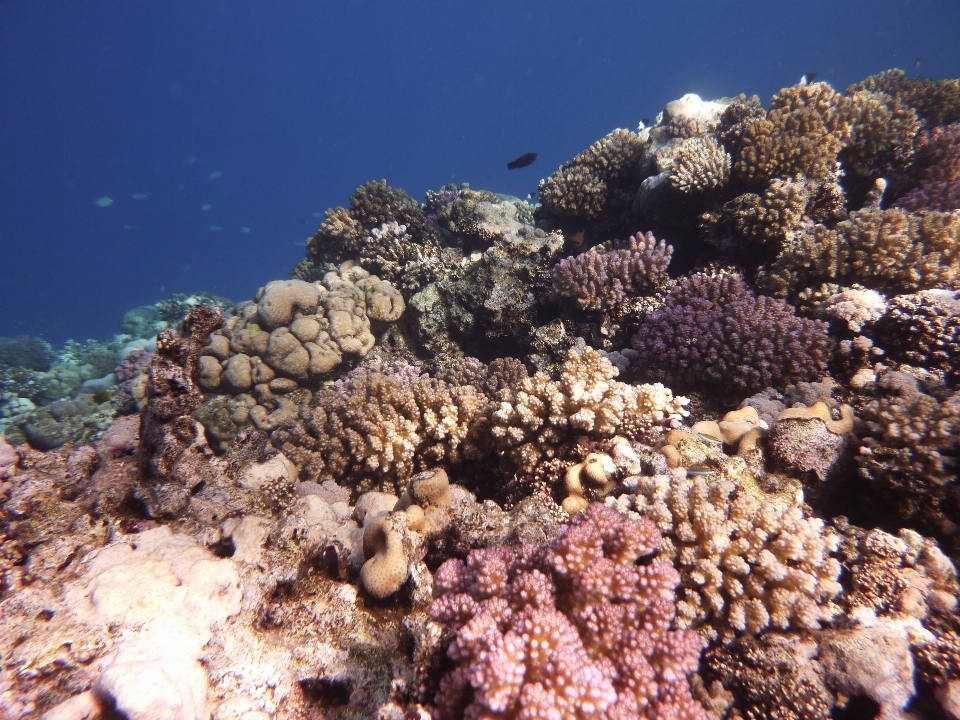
604, 416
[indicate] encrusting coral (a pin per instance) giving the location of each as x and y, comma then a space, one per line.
601, 281
712, 331
579, 629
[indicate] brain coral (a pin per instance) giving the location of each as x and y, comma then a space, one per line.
745, 564
601, 281
891, 250
712, 331
580, 629
591, 183
536, 416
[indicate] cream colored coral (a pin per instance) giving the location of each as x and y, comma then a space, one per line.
533, 420
745, 564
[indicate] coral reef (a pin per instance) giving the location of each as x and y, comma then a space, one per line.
534, 418
601, 281
713, 331
578, 629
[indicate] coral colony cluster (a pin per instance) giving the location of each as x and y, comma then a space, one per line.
681, 441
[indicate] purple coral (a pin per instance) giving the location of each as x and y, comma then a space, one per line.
938, 195
578, 629
600, 281
713, 331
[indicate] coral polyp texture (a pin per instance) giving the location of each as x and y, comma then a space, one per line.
713, 331
600, 281
579, 629
484, 457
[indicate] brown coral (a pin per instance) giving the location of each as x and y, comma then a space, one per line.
700, 164
889, 250
586, 187
936, 101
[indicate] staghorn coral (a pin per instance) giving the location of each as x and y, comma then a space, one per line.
591, 184
924, 330
535, 417
936, 101
888, 250
601, 281
909, 450
375, 430
745, 564
713, 331
573, 631
700, 164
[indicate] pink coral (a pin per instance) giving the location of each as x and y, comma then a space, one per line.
575, 630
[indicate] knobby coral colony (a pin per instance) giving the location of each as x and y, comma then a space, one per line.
680, 441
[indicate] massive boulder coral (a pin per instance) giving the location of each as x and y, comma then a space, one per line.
601, 281
713, 332
580, 629
746, 564
535, 417
292, 338
888, 250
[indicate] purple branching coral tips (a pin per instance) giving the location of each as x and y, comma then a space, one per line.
713, 331
600, 281
575, 630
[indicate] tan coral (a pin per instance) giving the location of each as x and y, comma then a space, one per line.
745, 565
534, 419
700, 164
387, 566
595, 473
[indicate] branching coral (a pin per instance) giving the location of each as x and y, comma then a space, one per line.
936, 101
601, 281
534, 418
578, 630
937, 156
771, 216
375, 430
745, 564
587, 186
910, 449
713, 331
700, 164
938, 195
923, 330
890, 250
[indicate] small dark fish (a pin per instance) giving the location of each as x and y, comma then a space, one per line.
645, 121
522, 161
811, 77
917, 64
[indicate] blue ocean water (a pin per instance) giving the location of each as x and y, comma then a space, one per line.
154, 148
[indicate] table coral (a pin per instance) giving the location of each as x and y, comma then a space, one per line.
534, 418
600, 281
577, 630
712, 331
745, 564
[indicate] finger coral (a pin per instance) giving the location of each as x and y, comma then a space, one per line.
745, 564
600, 281
592, 183
890, 250
375, 430
576, 630
713, 331
536, 416
909, 450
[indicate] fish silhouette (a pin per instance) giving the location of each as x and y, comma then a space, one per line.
522, 161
